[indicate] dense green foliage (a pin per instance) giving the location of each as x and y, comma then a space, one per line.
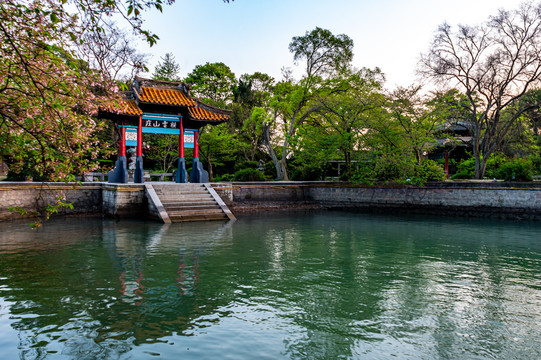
517, 170
501, 167
248, 174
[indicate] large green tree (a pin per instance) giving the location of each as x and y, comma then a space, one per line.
212, 82
355, 97
410, 114
494, 65
251, 100
216, 146
323, 55
162, 149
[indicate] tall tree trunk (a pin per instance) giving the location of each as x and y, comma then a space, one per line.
211, 173
418, 156
270, 149
283, 164
292, 127
478, 174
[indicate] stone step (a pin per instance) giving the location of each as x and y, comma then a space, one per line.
178, 190
173, 207
192, 206
184, 190
181, 190
179, 187
189, 202
195, 212
184, 197
181, 218
177, 194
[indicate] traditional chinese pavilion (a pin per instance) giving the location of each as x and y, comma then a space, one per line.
160, 107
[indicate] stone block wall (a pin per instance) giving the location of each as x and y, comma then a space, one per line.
225, 191
508, 200
264, 191
34, 197
480, 201
125, 200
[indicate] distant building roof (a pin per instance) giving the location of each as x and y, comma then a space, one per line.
454, 126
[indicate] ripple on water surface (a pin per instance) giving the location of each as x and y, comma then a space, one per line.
317, 286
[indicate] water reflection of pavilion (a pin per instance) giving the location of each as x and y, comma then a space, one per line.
158, 273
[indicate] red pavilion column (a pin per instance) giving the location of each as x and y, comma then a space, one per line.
138, 175
181, 139
119, 174
195, 145
122, 147
140, 137
181, 176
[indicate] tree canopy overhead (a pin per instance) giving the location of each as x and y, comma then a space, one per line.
322, 52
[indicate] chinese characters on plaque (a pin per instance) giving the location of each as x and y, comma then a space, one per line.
131, 136
188, 137
161, 124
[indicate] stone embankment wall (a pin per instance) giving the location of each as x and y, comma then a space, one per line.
33, 197
479, 199
252, 197
113, 200
124, 200
495, 199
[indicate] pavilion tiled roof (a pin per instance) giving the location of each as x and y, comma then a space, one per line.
202, 114
175, 97
206, 112
171, 94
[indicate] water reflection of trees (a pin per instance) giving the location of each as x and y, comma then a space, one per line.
330, 286
384, 285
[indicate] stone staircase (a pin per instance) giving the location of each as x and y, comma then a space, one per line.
188, 202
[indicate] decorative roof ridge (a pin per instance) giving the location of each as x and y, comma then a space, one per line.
171, 85
135, 92
212, 108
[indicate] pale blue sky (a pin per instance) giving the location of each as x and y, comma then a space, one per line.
253, 35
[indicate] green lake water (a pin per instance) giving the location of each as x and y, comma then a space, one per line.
325, 285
